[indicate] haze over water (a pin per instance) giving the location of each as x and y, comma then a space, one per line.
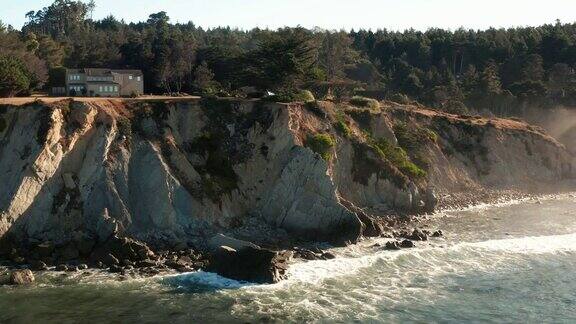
501, 263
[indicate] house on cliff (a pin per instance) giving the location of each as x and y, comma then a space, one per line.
100, 82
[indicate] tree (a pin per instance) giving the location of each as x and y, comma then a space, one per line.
282, 61
14, 78
489, 83
335, 53
204, 78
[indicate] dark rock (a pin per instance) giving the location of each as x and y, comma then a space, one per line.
146, 263
328, 256
70, 252
45, 249
184, 269
86, 245
115, 269
122, 248
430, 200
61, 267
4, 278
21, 277
175, 264
369, 226
38, 265
72, 268
418, 235
219, 240
250, 264
306, 254
392, 245
82, 266
127, 262
109, 260
407, 244
438, 233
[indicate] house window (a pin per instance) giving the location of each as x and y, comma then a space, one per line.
138, 79
115, 88
130, 77
100, 89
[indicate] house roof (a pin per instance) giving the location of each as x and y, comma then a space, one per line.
104, 72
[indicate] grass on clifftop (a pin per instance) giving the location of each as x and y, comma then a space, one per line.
364, 102
321, 144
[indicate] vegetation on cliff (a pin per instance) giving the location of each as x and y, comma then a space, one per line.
500, 70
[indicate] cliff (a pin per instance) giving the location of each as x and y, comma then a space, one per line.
183, 170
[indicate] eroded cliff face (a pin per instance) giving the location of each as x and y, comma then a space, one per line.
181, 171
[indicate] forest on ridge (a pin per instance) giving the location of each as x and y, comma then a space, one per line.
462, 71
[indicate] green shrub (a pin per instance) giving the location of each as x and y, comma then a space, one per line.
399, 158
291, 96
305, 96
364, 102
400, 98
343, 129
362, 116
321, 144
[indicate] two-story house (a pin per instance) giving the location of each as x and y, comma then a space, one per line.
90, 82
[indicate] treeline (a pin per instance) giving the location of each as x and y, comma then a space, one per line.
500, 70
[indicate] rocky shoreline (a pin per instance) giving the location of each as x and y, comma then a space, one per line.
130, 259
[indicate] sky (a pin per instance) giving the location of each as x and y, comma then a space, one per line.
326, 14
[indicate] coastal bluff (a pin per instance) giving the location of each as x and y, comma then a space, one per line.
182, 171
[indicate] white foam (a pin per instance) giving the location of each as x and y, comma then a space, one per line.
534, 244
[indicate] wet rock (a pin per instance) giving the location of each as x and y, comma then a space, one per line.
121, 248
407, 244
110, 260
185, 269
328, 256
115, 269
70, 252
370, 227
175, 264
306, 254
72, 268
392, 245
83, 266
222, 240
45, 249
4, 278
61, 267
418, 235
146, 263
21, 277
250, 264
438, 233
430, 200
38, 265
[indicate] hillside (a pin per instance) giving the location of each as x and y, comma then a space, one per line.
179, 172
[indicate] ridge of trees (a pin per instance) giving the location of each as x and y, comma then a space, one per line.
499, 70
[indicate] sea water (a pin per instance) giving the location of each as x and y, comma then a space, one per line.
507, 263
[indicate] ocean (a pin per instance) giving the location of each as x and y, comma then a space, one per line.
510, 262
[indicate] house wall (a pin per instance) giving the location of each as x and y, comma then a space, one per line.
120, 84
103, 90
129, 86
